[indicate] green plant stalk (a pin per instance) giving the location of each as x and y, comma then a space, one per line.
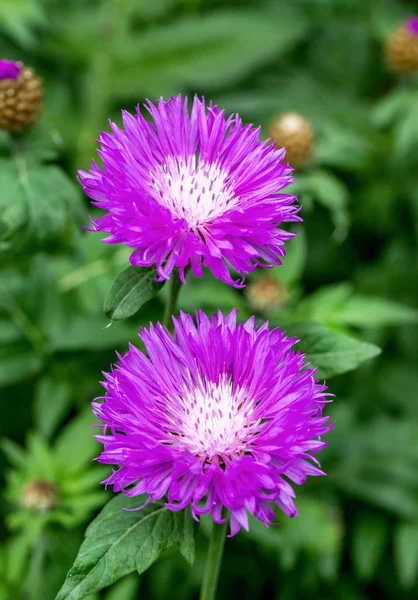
170, 307
213, 561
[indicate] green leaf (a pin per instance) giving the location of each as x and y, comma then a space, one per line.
337, 305
17, 18
329, 191
202, 51
323, 303
294, 264
51, 405
367, 311
15, 454
75, 446
119, 542
34, 205
186, 542
18, 362
392, 107
133, 287
406, 553
368, 543
9, 331
331, 351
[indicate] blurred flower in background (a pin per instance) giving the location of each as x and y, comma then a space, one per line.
293, 132
402, 47
20, 96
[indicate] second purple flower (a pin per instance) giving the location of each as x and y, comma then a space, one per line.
192, 189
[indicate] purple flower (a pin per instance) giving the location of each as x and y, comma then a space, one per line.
412, 25
198, 190
221, 416
9, 69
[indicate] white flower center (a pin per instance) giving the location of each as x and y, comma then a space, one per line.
195, 191
213, 419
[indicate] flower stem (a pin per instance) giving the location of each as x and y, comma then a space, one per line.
213, 561
170, 307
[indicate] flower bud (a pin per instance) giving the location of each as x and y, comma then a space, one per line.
20, 96
266, 294
39, 495
402, 47
295, 133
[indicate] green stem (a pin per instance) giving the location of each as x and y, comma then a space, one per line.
213, 561
170, 307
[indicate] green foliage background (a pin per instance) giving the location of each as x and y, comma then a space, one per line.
352, 270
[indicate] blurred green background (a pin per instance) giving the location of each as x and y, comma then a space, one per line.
352, 268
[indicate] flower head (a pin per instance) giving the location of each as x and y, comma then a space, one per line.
9, 69
193, 189
220, 416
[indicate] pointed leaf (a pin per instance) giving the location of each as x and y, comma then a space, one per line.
119, 542
331, 351
368, 311
133, 287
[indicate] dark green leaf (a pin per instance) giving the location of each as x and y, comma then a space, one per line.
331, 351
133, 287
119, 542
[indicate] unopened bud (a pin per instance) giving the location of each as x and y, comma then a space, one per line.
402, 47
295, 133
20, 96
39, 495
266, 294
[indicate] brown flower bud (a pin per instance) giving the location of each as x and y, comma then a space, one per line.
39, 495
402, 47
20, 96
295, 133
266, 294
